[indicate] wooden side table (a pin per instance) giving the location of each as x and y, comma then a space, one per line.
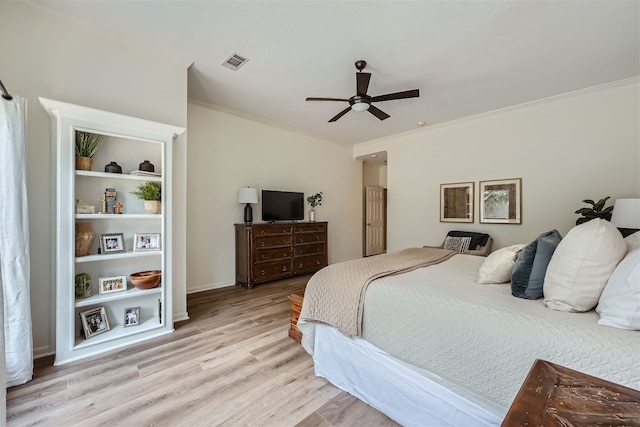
553, 395
296, 305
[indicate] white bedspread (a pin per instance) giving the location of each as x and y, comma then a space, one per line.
484, 339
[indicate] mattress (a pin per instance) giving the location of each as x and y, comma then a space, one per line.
481, 338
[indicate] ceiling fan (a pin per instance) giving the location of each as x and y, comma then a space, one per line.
361, 101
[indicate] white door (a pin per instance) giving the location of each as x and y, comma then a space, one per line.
374, 220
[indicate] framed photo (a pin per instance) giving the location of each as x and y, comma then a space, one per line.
456, 202
131, 316
501, 201
108, 285
94, 321
112, 243
147, 242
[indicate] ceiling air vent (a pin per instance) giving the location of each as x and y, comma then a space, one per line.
235, 61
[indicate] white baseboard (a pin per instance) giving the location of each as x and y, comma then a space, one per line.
181, 317
41, 352
208, 287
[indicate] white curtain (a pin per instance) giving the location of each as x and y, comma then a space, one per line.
15, 318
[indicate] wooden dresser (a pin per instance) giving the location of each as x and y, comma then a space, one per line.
266, 252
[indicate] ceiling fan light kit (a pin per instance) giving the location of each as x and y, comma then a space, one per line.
361, 101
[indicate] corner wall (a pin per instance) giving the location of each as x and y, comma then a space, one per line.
583, 145
227, 152
45, 55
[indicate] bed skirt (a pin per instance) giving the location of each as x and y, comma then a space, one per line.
409, 395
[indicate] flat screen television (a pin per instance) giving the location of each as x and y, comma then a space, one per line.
282, 205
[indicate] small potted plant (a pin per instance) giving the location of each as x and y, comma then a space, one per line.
315, 200
86, 146
151, 193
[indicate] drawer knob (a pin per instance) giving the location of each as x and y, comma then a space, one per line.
301, 240
300, 266
317, 262
284, 254
262, 257
262, 244
284, 268
262, 273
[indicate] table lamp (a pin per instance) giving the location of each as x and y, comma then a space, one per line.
248, 195
626, 216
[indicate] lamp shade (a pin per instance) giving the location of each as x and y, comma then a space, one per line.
248, 195
360, 106
626, 213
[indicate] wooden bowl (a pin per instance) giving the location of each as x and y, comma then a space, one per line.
146, 279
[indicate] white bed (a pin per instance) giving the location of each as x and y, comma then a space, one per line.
437, 348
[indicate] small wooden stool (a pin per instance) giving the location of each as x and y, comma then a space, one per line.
296, 305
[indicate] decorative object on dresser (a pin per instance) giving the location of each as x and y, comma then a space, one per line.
501, 201
626, 216
266, 252
553, 395
456, 202
315, 200
248, 195
86, 146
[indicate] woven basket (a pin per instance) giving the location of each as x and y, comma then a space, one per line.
84, 238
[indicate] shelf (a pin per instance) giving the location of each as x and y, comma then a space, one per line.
118, 176
117, 332
118, 217
130, 293
122, 255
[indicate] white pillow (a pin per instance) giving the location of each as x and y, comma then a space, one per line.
497, 267
619, 304
581, 265
633, 241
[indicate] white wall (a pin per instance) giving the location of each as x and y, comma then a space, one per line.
565, 149
44, 55
227, 152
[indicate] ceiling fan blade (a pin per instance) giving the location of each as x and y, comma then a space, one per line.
378, 112
414, 93
340, 114
362, 83
327, 99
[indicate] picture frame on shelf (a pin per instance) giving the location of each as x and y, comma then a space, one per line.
94, 322
108, 285
147, 242
131, 316
111, 243
456, 202
501, 201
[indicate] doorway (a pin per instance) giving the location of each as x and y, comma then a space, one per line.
374, 179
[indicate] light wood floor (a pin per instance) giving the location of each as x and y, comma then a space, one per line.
231, 364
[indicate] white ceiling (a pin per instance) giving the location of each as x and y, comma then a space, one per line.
466, 57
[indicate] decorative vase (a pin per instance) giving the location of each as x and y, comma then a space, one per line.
312, 215
84, 238
147, 166
152, 206
83, 285
84, 163
113, 167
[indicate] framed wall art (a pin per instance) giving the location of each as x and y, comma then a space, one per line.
456, 202
501, 201
94, 321
112, 243
147, 242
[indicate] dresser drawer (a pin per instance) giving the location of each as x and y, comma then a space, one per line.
269, 229
309, 228
309, 238
310, 249
266, 255
263, 242
308, 264
272, 270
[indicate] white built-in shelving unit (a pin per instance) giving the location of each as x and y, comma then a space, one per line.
128, 141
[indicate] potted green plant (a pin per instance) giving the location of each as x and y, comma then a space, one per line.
86, 146
315, 200
151, 193
597, 210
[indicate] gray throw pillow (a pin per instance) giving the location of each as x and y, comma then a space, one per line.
527, 276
